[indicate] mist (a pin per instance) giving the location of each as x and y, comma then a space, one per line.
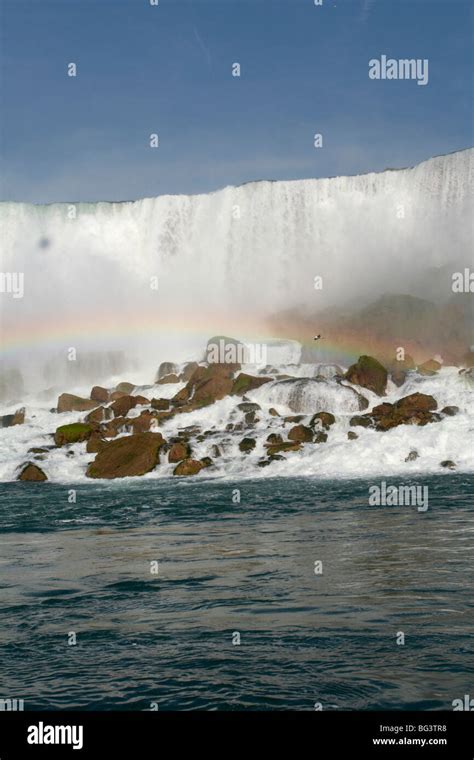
127, 285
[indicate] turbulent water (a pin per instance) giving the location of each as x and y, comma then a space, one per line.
227, 568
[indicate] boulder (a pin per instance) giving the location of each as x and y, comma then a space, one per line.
125, 388
117, 394
32, 473
248, 406
361, 420
416, 409
17, 418
95, 443
179, 451
448, 464
165, 368
188, 371
67, 402
100, 394
74, 433
161, 404
112, 428
188, 467
171, 378
215, 450
274, 438
325, 419
207, 462
100, 414
352, 436
368, 373
431, 367
287, 446
450, 411
129, 456
247, 445
273, 412
320, 438
144, 422
244, 383
301, 433
398, 377
207, 385
294, 419
122, 406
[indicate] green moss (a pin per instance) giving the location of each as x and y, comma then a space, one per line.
77, 431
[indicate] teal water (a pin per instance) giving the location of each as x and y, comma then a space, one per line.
227, 568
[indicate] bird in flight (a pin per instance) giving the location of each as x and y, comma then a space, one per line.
316, 337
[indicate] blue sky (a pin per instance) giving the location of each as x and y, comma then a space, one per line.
167, 69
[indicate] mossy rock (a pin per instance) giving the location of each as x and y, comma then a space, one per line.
74, 433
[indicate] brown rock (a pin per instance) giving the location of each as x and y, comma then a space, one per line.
188, 467
274, 438
279, 447
352, 436
100, 394
67, 402
247, 445
361, 420
301, 433
130, 456
17, 418
117, 394
244, 383
448, 464
368, 373
32, 473
179, 451
273, 412
125, 388
144, 422
450, 411
95, 443
431, 367
206, 385
161, 404
112, 428
97, 415
165, 368
320, 438
172, 378
122, 406
325, 419
188, 371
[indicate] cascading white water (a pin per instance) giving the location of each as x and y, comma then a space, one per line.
226, 258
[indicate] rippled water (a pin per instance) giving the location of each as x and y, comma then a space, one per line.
226, 567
